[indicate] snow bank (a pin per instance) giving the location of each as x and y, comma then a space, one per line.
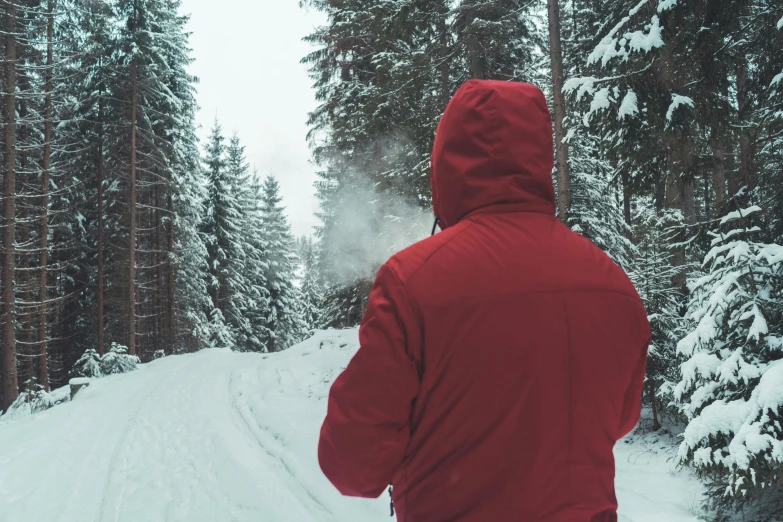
219, 435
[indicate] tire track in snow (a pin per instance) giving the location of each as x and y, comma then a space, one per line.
265, 439
130, 427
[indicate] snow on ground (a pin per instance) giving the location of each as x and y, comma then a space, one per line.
221, 436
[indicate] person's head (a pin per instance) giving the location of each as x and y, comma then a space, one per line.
493, 147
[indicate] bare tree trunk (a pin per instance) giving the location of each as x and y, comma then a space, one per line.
174, 330
132, 226
445, 64
746, 143
10, 382
43, 366
475, 62
660, 195
718, 175
561, 149
159, 307
689, 202
731, 171
101, 239
25, 315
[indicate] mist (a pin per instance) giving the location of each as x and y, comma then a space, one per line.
368, 228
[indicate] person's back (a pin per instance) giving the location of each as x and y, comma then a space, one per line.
501, 359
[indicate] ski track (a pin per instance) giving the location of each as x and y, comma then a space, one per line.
220, 436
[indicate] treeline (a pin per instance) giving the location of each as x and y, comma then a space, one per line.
668, 124
115, 231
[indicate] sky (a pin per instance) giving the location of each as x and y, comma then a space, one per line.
247, 55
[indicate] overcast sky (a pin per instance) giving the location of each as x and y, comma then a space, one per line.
247, 56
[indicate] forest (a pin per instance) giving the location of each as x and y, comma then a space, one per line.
668, 129
124, 236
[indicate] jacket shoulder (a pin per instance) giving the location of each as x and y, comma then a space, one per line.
407, 262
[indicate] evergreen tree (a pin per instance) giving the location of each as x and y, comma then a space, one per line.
251, 304
222, 232
384, 74
284, 323
311, 289
730, 388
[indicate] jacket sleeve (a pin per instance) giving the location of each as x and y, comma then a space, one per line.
367, 426
632, 404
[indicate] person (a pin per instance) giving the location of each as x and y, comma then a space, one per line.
500, 359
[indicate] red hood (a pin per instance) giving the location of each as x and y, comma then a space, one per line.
493, 147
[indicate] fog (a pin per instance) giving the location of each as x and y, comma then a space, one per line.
369, 228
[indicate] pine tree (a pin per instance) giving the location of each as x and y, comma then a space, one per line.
222, 231
312, 290
732, 374
652, 274
283, 320
251, 305
384, 74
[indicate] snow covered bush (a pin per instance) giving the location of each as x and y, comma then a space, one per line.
731, 387
117, 360
88, 365
35, 399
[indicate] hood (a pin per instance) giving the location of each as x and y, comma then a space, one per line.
493, 147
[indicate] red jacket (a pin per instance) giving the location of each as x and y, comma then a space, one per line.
501, 359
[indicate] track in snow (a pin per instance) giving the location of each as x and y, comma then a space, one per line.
220, 436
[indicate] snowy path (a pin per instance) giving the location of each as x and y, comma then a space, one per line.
220, 436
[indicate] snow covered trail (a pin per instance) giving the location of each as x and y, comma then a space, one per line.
220, 436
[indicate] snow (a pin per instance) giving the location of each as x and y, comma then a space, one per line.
646, 42
220, 435
739, 214
77, 381
743, 421
665, 5
601, 101
677, 100
629, 105
583, 85
780, 23
773, 253
607, 48
26, 404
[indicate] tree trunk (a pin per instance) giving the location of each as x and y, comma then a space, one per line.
174, 330
43, 366
160, 310
731, 172
660, 195
26, 314
689, 202
132, 218
674, 200
746, 142
654, 405
718, 175
475, 62
101, 239
561, 149
445, 65
10, 383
